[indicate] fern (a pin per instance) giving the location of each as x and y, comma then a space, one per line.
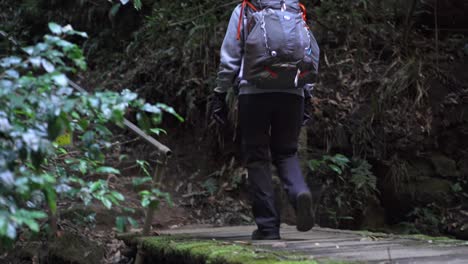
363, 178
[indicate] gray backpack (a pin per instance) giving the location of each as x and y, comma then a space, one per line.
280, 50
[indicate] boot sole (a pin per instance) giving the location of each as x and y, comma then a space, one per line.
305, 219
256, 235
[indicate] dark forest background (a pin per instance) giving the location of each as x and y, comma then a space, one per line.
387, 148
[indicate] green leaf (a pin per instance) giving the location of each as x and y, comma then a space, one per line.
12, 73
314, 165
170, 110
132, 222
88, 137
83, 167
335, 169
151, 108
137, 4
128, 95
145, 202
10, 61
32, 224
48, 67
117, 195
51, 198
28, 50
106, 202
341, 159
10, 230
60, 79
107, 170
457, 187
55, 127
144, 166
120, 223
140, 181
114, 10
144, 193
104, 131
158, 131
96, 186
55, 28
68, 29
210, 186
37, 214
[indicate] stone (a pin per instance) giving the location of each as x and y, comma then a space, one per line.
432, 190
444, 166
420, 191
373, 216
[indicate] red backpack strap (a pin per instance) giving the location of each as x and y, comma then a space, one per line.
239, 24
304, 11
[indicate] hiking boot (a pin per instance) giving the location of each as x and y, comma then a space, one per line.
304, 216
261, 235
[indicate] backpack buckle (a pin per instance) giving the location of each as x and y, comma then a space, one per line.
283, 5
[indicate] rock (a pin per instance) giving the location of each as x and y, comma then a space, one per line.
418, 192
444, 166
429, 190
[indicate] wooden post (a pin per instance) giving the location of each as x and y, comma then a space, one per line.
158, 172
139, 256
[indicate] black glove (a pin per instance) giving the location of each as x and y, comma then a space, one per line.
218, 108
307, 104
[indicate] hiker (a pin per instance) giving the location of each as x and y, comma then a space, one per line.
271, 56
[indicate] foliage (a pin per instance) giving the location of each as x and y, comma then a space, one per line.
117, 4
348, 185
378, 64
37, 105
137, 4
153, 197
427, 219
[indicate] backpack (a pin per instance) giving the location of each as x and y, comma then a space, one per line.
280, 50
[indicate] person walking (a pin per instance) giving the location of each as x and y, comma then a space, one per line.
272, 56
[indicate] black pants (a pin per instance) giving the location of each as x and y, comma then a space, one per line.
270, 124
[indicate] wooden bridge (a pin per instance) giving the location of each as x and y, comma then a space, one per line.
335, 246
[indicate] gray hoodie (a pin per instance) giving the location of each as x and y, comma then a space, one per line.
231, 63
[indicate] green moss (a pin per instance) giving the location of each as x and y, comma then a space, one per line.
437, 240
185, 250
340, 262
420, 237
372, 234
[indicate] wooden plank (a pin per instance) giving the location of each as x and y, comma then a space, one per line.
395, 253
322, 243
